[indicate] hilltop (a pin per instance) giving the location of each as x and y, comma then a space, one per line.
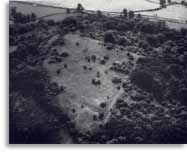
92, 78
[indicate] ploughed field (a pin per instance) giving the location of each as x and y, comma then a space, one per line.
95, 79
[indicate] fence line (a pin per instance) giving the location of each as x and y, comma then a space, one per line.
111, 12
118, 14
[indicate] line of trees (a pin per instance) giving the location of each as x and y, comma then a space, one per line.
127, 14
19, 17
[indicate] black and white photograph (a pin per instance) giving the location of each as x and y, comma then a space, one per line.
97, 72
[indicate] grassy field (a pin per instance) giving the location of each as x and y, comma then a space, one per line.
40, 11
80, 90
177, 12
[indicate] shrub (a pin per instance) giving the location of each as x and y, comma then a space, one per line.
153, 40
64, 54
119, 101
103, 62
58, 71
143, 44
96, 81
123, 41
93, 58
94, 117
149, 27
69, 21
101, 116
110, 25
103, 105
109, 37
116, 80
50, 22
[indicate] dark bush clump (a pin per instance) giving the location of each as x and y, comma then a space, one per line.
69, 21
109, 37
123, 41
103, 105
64, 54
142, 79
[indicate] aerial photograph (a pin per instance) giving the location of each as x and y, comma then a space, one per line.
97, 72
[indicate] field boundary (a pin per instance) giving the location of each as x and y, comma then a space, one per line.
108, 12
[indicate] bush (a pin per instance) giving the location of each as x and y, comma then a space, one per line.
103, 105
122, 27
96, 82
149, 27
109, 37
143, 44
109, 25
69, 21
101, 116
123, 41
64, 54
116, 80
93, 58
50, 22
152, 40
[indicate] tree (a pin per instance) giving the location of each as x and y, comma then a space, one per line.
162, 3
27, 18
183, 2
139, 16
99, 13
33, 17
67, 10
12, 11
125, 13
131, 14
80, 8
